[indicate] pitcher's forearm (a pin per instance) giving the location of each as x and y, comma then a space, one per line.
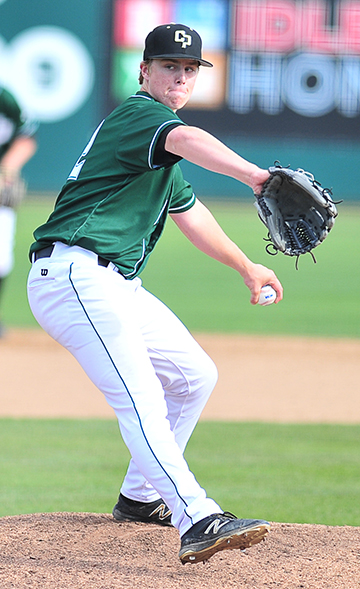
201, 148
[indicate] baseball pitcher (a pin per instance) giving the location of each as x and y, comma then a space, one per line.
85, 290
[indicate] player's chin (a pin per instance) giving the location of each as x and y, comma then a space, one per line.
179, 100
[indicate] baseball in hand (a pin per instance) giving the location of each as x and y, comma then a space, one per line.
267, 295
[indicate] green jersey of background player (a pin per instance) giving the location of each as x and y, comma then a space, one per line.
111, 212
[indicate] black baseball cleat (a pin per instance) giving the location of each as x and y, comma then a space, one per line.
220, 531
156, 512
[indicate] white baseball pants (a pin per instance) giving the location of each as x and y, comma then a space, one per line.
7, 240
136, 351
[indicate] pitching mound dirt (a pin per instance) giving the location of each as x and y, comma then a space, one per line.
76, 550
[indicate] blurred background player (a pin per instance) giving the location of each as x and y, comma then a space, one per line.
17, 147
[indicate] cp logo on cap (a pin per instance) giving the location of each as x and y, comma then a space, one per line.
182, 37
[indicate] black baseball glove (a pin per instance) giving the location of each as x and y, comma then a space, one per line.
297, 211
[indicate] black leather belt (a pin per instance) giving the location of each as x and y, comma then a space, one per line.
46, 252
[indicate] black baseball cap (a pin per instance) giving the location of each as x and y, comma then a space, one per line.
174, 41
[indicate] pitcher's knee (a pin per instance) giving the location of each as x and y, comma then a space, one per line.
208, 375
212, 373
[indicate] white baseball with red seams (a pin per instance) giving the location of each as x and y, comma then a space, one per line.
267, 295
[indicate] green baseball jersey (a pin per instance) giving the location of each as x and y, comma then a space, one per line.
120, 191
12, 121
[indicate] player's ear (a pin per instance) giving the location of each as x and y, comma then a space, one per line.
145, 69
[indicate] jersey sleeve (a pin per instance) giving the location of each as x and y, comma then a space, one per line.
9, 107
138, 141
163, 158
183, 197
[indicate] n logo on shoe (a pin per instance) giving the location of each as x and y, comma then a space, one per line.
215, 526
163, 514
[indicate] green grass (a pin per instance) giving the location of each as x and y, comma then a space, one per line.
285, 473
320, 299
60, 465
